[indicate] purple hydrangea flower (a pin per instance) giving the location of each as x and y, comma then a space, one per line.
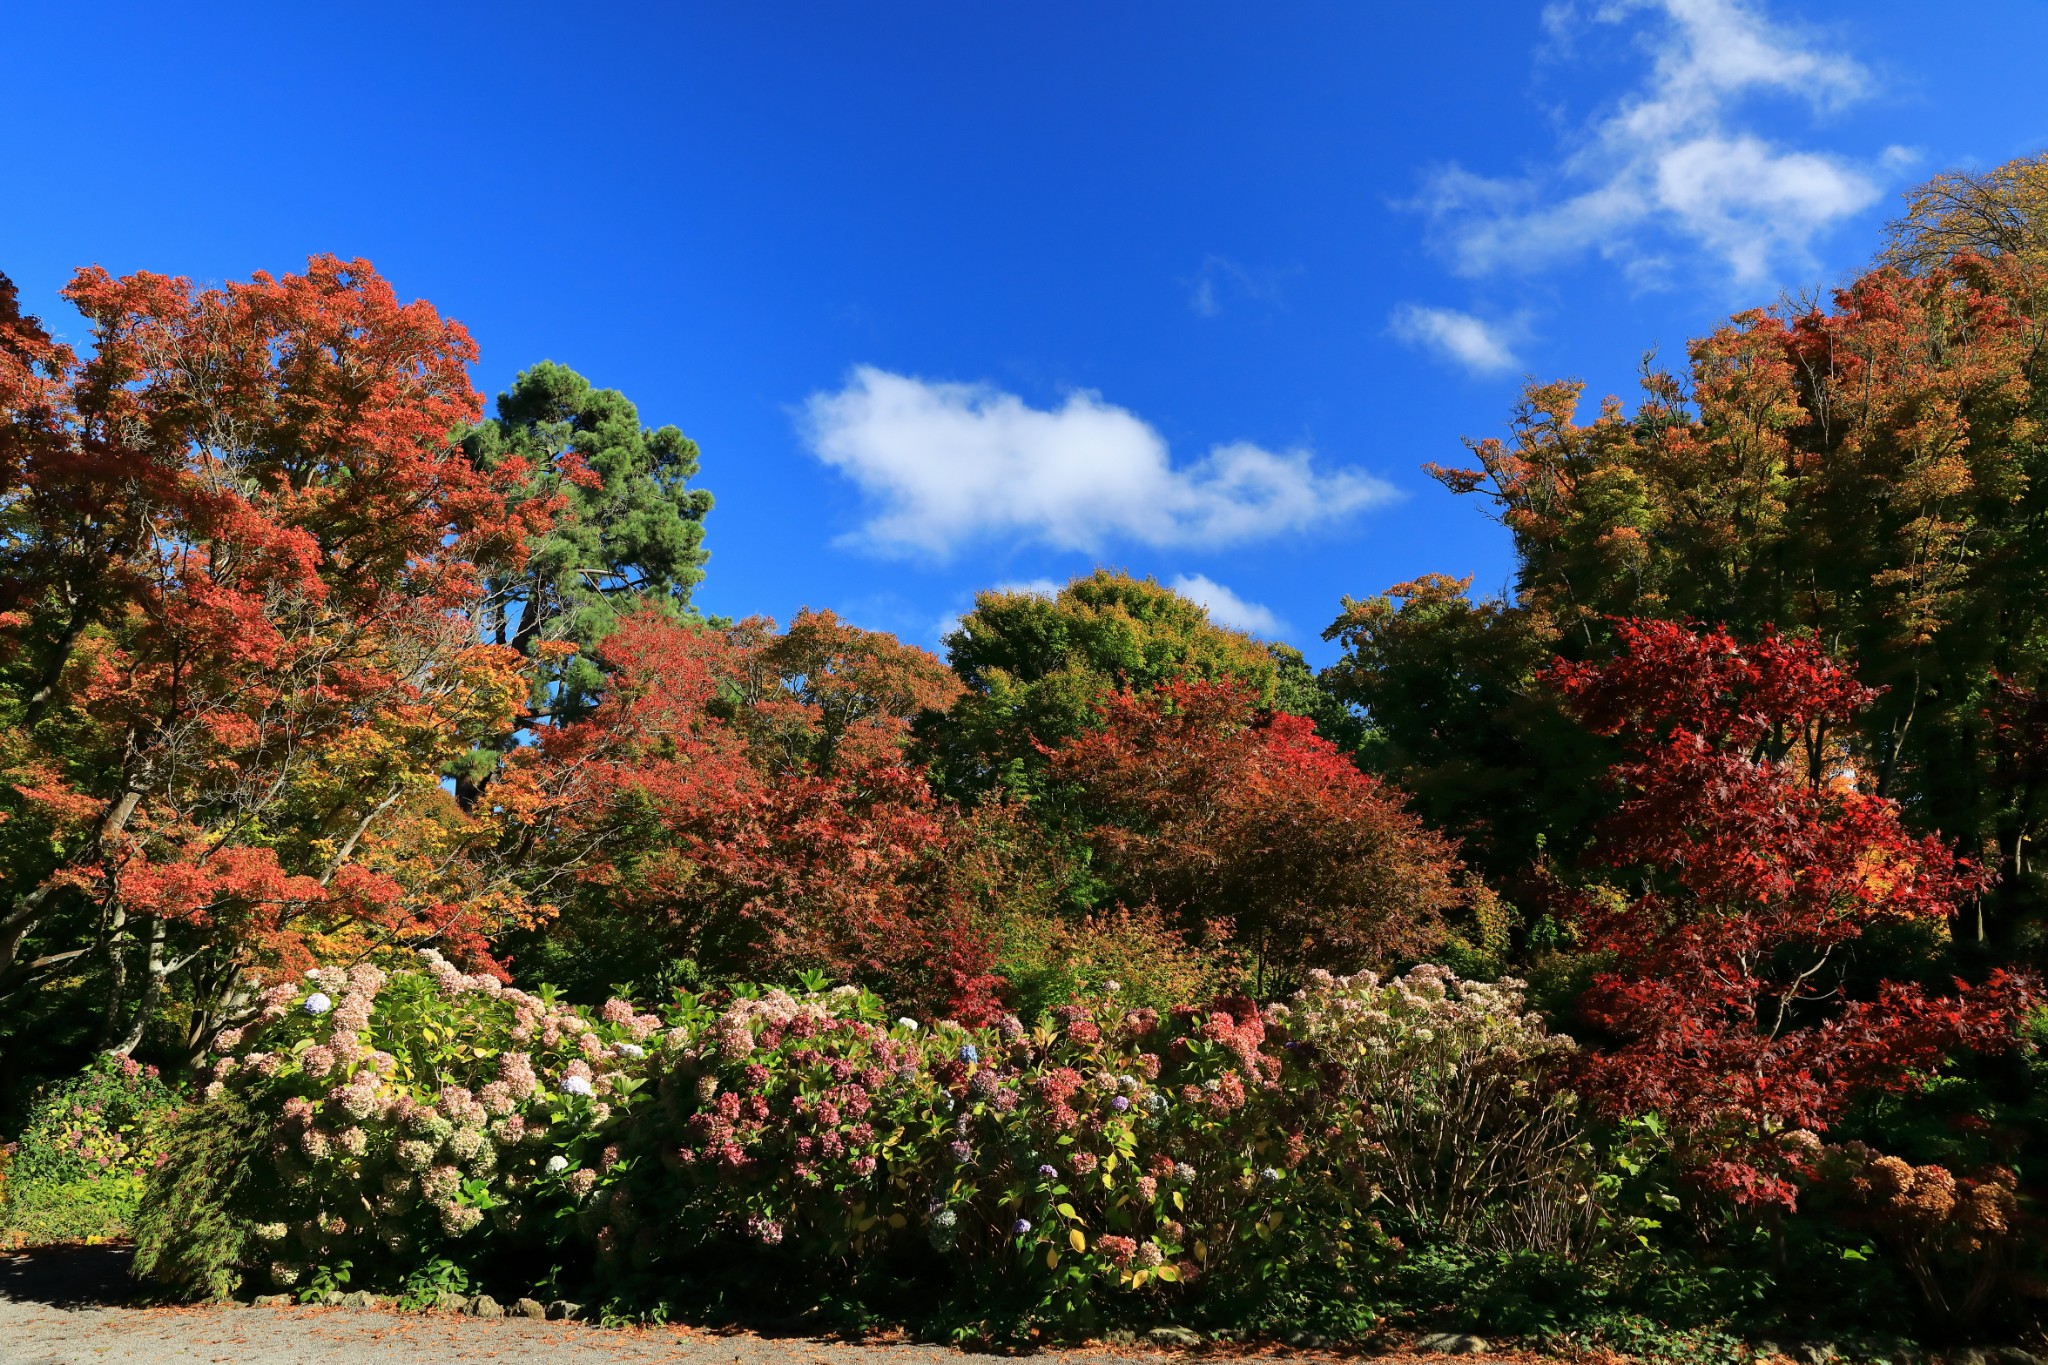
969, 1053
1021, 1226
962, 1152
1048, 1173
1120, 1103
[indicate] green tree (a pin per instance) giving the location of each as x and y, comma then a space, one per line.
1038, 669
629, 533
1455, 715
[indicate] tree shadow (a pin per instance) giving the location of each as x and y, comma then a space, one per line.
69, 1277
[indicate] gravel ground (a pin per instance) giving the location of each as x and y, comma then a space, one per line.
66, 1305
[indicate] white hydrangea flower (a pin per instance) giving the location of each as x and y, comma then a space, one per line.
630, 1050
908, 1023
557, 1164
576, 1085
318, 1003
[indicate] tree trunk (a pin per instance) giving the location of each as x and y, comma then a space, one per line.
117, 977
152, 992
53, 669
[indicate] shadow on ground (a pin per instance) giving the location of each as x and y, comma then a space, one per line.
68, 1277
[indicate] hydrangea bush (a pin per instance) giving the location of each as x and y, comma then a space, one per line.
1450, 1084
80, 1165
1111, 1162
364, 1127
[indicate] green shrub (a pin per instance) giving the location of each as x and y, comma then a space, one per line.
78, 1170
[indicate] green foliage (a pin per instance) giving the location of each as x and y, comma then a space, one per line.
91, 1142
1038, 667
1300, 691
1051, 959
193, 1235
629, 536
430, 1284
1455, 715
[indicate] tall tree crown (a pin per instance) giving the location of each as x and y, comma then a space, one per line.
630, 531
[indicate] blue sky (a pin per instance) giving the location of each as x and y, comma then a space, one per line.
976, 293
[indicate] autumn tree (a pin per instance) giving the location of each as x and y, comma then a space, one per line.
1244, 825
241, 545
1867, 472
1730, 996
833, 697
1999, 216
741, 799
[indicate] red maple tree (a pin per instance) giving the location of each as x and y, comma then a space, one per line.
1222, 814
1729, 994
742, 797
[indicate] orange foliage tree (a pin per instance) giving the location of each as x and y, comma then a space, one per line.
1870, 472
242, 541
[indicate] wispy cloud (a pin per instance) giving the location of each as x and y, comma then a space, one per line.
1036, 587
1673, 164
1226, 608
1222, 282
945, 464
1478, 345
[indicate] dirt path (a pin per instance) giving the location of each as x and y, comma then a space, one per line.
64, 1307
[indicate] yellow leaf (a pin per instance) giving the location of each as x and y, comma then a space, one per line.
1201, 1252
1168, 1273
1076, 1240
897, 1220
866, 1223
1052, 1258
1067, 1211
1179, 1202
1138, 1280
1109, 1162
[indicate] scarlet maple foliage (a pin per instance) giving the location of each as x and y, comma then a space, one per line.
1223, 814
241, 544
1728, 997
742, 798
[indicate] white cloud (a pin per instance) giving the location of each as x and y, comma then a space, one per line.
1478, 345
1672, 160
945, 464
1225, 607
